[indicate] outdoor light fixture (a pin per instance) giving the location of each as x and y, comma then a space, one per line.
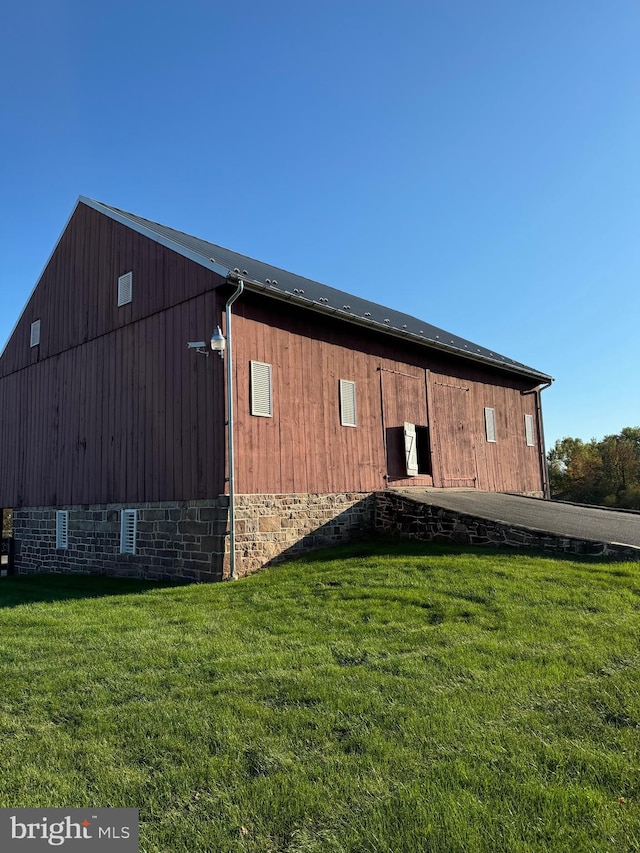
218, 342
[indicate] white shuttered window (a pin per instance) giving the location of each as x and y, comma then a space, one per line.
62, 528
490, 424
261, 394
128, 527
528, 430
348, 403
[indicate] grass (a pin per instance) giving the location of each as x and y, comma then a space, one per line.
374, 699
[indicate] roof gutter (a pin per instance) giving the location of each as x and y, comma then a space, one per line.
286, 296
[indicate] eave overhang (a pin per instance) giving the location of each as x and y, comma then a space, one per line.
505, 364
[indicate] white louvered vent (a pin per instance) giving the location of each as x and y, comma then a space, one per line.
261, 396
125, 289
490, 424
528, 430
62, 528
348, 403
128, 526
35, 333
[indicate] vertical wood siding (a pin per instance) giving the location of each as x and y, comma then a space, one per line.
76, 297
304, 448
131, 416
112, 406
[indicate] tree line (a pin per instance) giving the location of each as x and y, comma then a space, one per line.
605, 472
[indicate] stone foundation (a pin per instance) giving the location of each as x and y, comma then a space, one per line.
398, 515
189, 541
175, 541
270, 528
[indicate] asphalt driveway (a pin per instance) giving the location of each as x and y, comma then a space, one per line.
602, 525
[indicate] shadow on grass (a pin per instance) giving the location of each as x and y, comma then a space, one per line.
27, 589
396, 546
390, 546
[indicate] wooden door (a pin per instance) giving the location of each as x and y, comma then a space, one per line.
404, 412
452, 424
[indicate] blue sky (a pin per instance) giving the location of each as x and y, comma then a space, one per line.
474, 164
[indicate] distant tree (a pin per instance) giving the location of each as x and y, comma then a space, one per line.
621, 468
603, 472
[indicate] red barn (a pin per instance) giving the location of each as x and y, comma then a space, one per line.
115, 434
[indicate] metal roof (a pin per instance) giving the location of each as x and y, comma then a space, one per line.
280, 284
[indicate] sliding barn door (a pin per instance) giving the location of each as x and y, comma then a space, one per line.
406, 433
452, 424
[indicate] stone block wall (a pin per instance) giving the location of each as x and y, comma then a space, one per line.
189, 540
398, 515
175, 541
270, 528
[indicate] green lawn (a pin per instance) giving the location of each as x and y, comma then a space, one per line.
375, 699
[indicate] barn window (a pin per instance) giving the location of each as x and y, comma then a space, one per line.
348, 403
528, 430
62, 528
261, 394
35, 333
490, 423
125, 289
128, 528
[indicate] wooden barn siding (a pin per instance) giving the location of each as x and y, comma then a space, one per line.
76, 297
463, 452
65, 403
304, 448
130, 416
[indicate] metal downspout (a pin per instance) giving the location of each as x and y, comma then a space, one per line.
545, 464
543, 450
232, 484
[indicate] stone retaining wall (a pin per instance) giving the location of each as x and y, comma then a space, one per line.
398, 515
175, 541
270, 528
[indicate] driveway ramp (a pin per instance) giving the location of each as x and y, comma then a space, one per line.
494, 518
